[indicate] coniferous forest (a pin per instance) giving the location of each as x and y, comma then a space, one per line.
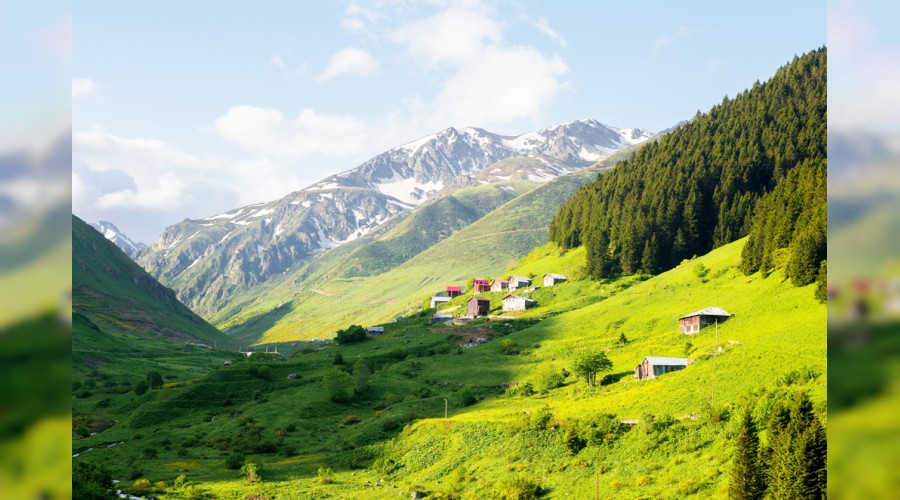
753, 165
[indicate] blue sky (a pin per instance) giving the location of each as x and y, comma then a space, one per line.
186, 109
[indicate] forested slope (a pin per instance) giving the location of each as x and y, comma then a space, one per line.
714, 180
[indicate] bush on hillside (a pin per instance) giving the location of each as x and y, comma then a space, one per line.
234, 461
353, 333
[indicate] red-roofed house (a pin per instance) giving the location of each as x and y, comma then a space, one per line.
454, 291
480, 286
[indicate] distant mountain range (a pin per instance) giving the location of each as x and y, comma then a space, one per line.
115, 235
209, 260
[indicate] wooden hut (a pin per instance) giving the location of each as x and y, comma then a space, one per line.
515, 303
499, 285
516, 282
654, 366
454, 291
698, 320
478, 307
552, 279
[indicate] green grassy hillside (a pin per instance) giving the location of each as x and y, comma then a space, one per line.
392, 436
318, 302
124, 323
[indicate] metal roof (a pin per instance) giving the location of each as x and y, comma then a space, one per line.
709, 311
663, 361
518, 297
557, 276
519, 278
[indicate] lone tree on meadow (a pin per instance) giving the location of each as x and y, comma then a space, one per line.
746, 481
589, 363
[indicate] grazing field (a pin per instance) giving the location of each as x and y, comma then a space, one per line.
367, 419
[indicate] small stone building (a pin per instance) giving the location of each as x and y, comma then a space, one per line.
698, 320
499, 285
515, 303
552, 279
437, 300
654, 366
374, 331
516, 282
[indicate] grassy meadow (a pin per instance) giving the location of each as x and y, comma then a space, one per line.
503, 435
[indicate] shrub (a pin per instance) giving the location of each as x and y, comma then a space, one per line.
508, 347
234, 461
350, 420
135, 473
154, 380
160, 486
149, 453
325, 475
290, 428
353, 333
141, 487
264, 372
337, 385
181, 482
466, 397
520, 488
338, 358
700, 270
252, 471
547, 377
392, 424
525, 389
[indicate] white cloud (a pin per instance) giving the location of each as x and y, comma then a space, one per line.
159, 183
667, 38
83, 87
503, 85
268, 132
453, 36
349, 61
276, 61
544, 27
491, 82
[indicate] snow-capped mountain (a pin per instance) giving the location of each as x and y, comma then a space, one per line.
206, 259
115, 235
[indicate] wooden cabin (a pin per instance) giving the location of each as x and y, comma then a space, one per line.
654, 366
480, 286
552, 279
499, 285
454, 291
478, 307
515, 303
516, 282
436, 301
698, 320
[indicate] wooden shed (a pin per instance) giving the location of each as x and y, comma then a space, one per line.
499, 285
516, 282
480, 286
454, 291
479, 307
698, 320
515, 303
552, 279
654, 366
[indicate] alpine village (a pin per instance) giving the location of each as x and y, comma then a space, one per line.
649, 324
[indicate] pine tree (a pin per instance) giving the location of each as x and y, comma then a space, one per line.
745, 481
822, 283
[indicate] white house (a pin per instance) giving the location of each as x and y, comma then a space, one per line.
436, 301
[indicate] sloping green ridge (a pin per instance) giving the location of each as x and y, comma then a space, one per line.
122, 317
